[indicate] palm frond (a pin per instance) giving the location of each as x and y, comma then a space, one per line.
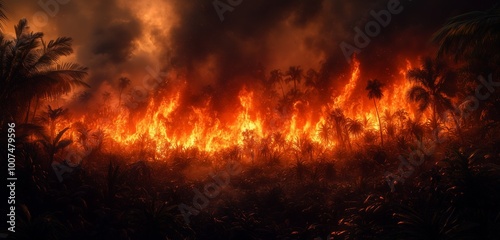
29, 69
294, 73
123, 82
421, 96
3, 17
468, 33
53, 51
62, 144
355, 127
52, 82
417, 75
443, 104
374, 88
21, 28
276, 76
59, 135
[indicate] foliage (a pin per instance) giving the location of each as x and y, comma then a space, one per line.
26, 61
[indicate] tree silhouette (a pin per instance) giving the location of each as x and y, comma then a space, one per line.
312, 79
3, 17
324, 132
29, 69
51, 117
473, 34
355, 127
388, 118
277, 78
374, 89
123, 83
401, 115
295, 75
269, 84
52, 145
338, 120
429, 89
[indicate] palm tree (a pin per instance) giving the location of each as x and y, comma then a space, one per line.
339, 121
415, 129
275, 78
374, 89
324, 133
294, 74
429, 89
52, 145
355, 127
473, 34
3, 17
123, 83
51, 117
388, 118
29, 69
312, 79
270, 92
279, 141
401, 116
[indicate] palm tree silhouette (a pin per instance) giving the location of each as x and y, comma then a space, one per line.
324, 133
355, 127
294, 74
374, 89
53, 144
338, 120
269, 84
352, 127
51, 116
3, 17
388, 118
123, 83
473, 34
312, 79
277, 78
401, 115
29, 69
429, 88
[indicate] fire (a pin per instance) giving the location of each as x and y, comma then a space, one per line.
167, 124
244, 121
346, 93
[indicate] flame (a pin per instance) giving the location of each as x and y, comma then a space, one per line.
166, 123
349, 87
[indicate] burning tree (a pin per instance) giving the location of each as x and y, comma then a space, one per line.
374, 89
429, 90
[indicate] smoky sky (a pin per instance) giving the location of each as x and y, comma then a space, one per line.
256, 36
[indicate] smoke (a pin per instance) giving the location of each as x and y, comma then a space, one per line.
120, 38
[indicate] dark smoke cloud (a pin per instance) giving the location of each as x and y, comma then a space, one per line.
104, 33
200, 35
220, 56
116, 40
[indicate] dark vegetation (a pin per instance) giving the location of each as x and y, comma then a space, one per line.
298, 190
